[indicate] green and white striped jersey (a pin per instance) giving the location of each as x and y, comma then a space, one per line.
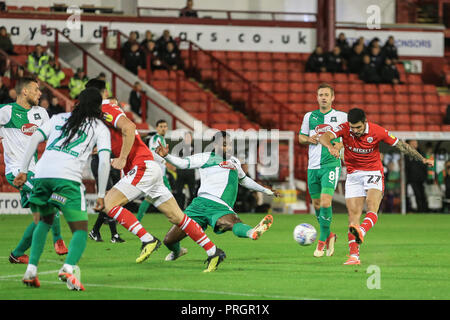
219, 177
153, 144
17, 125
317, 122
69, 162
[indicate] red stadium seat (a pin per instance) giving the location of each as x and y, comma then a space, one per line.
340, 77
356, 88
264, 55
250, 75
401, 98
400, 88
429, 88
371, 98
399, 108
433, 127
9, 8
386, 107
416, 98
357, 98
249, 55
415, 89
431, 99
310, 87
43, 9
445, 99
279, 56
265, 65
385, 88
353, 78
387, 98
417, 119
295, 97
341, 88
416, 108
311, 77
373, 117
233, 55
402, 118
325, 77
296, 87
266, 86
433, 119
295, 76
280, 87
387, 119
343, 98
280, 76
235, 64
413, 78
280, 66
27, 8
250, 65
221, 55
370, 88
282, 97
265, 76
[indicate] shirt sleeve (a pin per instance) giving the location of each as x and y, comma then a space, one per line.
192, 162
388, 137
103, 139
5, 115
46, 128
305, 124
339, 130
112, 114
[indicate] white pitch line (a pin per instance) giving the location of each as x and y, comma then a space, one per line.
21, 275
87, 285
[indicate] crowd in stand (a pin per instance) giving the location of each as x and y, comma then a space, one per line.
372, 62
163, 52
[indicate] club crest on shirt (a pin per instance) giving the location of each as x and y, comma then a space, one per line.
28, 129
369, 139
108, 117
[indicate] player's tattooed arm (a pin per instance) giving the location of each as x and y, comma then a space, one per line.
411, 152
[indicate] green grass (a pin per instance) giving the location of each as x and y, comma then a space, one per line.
411, 251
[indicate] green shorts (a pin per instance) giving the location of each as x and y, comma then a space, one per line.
323, 181
50, 194
27, 188
206, 212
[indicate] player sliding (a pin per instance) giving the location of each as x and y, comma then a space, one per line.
18, 121
143, 177
220, 175
323, 169
365, 180
70, 140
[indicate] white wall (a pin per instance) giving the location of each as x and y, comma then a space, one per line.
355, 11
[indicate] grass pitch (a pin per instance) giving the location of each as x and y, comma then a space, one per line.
411, 252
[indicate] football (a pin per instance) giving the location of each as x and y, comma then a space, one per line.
305, 234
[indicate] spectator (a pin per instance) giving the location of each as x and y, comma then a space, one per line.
161, 43
444, 182
185, 176
188, 11
355, 62
148, 38
135, 99
389, 73
5, 41
12, 96
389, 50
447, 115
20, 72
37, 59
316, 61
51, 73
4, 94
77, 83
134, 59
376, 57
102, 76
126, 48
155, 61
416, 175
55, 107
360, 41
392, 187
44, 104
369, 72
342, 43
374, 43
172, 57
334, 61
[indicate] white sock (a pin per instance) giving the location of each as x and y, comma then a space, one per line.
147, 237
211, 251
68, 268
31, 268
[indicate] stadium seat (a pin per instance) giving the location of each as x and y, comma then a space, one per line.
433, 119
280, 76
416, 108
343, 98
417, 119
373, 117
401, 98
221, 55
403, 127
400, 88
280, 87
250, 65
266, 86
353, 78
325, 77
341, 88
280, 56
27, 8
431, 99
445, 99
295, 76
311, 77
235, 64
340, 77
402, 119
43, 9
265, 76
249, 55
356, 97
310, 87
265, 65
295, 87
371, 98
233, 55
280, 66
281, 97
387, 98
416, 98
385, 88
9, 8
415, 89
295, 97
356, 88
413, 78
429, 89
370, 88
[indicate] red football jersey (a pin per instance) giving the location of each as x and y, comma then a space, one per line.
362, 153
139, 152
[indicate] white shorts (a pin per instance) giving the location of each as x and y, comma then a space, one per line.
358, 182
146, 181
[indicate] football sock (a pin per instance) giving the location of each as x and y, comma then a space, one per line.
369, 221
25, 242
325, 222
175, 247
98, 223
38, 242
76, 247
143, 209
56, 228
196, 233
112, 225
242, 230
317, 214
353, 246
129, 221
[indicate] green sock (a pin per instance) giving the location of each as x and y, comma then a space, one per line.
38, 242
317, 215
325, 223
25, 242
76, 247
142, 209
175, 247
56, 228
241, 230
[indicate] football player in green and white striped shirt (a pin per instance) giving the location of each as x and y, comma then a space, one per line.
18, 121
220, 176
323, 169
155, 140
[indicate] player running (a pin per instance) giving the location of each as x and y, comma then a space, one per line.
220, 175
143, 177
365, 179
161, 129
18, 121
323, 169
58, 181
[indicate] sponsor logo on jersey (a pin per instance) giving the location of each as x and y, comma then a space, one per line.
369, 139
322, 128
108, 117
391, 135
28, 129
227, 165
360, 150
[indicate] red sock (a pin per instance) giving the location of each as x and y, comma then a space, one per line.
193, 230
354, 247
128, 221
369, 221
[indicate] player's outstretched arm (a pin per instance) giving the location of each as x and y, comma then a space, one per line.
307, 140
251, 184
128, 130
325, 140
406, 149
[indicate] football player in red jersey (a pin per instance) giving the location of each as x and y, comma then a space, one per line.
143, 176
365, 179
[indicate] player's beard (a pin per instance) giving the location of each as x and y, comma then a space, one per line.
33, 101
